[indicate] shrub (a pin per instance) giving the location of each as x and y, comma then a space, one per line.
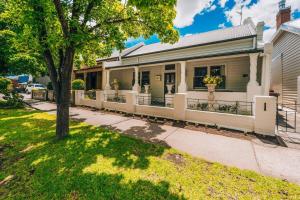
5, 84
12, 100
78, 84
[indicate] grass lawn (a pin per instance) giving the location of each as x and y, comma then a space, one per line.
95, 163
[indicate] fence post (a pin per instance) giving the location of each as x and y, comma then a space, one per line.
99, 99
265, 115
79, 94
131, 101
180, 106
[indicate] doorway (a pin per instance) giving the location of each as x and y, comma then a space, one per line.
170, 78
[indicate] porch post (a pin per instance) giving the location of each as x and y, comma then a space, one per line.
253, 87
136, 80
182, 86
107, 85
268, 62
84, 79
253, 69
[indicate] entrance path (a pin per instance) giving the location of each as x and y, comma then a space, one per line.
254, 154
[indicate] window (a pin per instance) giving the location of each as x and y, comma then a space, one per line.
170, 67
219, 70
201, 72
133, 78
144, 78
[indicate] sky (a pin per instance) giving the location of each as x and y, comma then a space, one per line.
197, 16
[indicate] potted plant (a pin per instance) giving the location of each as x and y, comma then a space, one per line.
116, 86
211, 83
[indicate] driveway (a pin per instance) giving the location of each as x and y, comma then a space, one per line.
254, 154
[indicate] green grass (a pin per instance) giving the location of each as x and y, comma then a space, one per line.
95, 163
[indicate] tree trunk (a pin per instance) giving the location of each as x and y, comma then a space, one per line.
63, 103
62, 119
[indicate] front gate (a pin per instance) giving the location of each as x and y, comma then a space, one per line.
288, 118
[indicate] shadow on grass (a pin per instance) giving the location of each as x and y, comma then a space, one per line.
89, 164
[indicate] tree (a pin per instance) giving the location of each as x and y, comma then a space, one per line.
15, 55
64, 30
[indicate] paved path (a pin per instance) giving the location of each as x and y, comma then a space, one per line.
253, 154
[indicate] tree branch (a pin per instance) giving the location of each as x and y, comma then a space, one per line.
114, 21
87, 13
42, 36
61, 17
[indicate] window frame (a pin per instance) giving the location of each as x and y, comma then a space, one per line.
209, 73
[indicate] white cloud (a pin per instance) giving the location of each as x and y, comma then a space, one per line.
222, 3
263, 10
212, 8
222, 25
188, 9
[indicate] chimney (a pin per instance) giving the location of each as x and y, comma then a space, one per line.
260, 31
284, 14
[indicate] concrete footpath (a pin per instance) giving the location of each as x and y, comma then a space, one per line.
254, 154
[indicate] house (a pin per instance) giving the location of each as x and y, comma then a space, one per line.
236, 54
286, 56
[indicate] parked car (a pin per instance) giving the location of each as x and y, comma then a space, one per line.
21, 87
32, 86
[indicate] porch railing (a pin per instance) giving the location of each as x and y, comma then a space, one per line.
114, 98
231, 107
156, 101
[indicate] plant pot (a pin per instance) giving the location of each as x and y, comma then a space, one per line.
211, 87
147, 89
169, 88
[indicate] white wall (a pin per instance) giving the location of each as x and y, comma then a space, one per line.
239, 122
155, 111
219, 96
262, 122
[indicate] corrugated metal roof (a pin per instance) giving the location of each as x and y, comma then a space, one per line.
199, 39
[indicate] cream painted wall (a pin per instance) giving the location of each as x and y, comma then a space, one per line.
124, 76
234, 70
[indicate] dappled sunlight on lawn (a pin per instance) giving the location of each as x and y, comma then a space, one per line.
96, 163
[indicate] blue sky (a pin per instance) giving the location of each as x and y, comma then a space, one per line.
207, 15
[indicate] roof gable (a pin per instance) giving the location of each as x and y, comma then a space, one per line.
291, 26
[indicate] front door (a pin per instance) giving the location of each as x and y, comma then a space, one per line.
170, 78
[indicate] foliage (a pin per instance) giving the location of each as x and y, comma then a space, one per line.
78, 84
91, 94
12, 100
4, 84
65, 33
212, 80
202, 106
96, 163
16, 57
